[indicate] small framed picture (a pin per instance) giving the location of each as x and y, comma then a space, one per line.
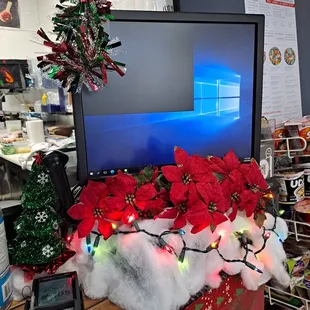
9, 14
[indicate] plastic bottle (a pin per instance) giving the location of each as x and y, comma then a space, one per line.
5, 276
44, 99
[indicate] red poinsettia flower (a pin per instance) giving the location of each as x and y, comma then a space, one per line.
232, 188
164, 195
179, 212
152, 210
189, 170
88, 211
211, 210
155, 175
156, 207
255, 180
126, 196
248, 202
225, 166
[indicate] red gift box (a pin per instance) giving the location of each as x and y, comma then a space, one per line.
231, 295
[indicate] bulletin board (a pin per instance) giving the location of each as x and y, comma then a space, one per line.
9, 14
281, 90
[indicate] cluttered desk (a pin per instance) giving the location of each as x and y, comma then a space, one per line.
16, 159
17, 149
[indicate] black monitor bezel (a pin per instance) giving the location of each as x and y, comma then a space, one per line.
146, 16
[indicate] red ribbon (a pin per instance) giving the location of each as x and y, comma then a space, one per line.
104, 74
50, 268
28, 276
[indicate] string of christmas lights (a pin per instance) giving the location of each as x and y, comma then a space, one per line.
161, 242
266, 235
213, 246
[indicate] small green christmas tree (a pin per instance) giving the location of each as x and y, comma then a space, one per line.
38, 238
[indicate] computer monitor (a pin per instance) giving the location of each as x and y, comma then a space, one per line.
192, 80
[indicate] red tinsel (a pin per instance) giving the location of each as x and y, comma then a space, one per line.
50, 268
81, 55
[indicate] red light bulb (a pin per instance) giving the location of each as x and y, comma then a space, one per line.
267, 235
168, 248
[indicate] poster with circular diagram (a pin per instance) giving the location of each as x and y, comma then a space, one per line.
275, 56
289, 56
9, 14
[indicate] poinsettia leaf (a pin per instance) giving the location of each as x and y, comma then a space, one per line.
231, 160
260, 219
141, 179
220, 177
148, 172
180, 156
162, 182
212, 228
262, 203
148, 168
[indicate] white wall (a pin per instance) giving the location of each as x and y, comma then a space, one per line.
16, 43
19, 43
148, 5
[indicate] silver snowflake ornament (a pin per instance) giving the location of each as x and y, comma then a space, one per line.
48, 251
41, 217
43, 178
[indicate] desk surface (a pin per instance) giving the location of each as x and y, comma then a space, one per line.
15, 159
89, 305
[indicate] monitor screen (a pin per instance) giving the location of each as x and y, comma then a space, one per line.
187, 84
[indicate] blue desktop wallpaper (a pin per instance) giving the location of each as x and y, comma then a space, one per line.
212, 115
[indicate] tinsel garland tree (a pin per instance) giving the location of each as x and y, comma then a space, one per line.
81, 54
38, 240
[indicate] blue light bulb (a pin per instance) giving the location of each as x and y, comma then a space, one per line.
181, 232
